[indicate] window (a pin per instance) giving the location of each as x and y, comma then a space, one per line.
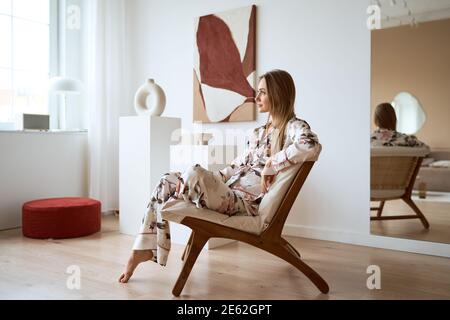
25, 55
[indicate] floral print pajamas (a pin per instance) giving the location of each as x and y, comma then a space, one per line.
197, 185
392, 138
233, 190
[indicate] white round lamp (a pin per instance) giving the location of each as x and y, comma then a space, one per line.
64, 86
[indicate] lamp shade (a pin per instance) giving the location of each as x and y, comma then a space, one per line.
65, 85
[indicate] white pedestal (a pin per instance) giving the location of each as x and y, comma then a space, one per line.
144, 156
212, 158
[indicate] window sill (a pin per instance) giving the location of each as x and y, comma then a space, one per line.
44, 131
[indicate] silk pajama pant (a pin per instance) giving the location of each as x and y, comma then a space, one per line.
197, 185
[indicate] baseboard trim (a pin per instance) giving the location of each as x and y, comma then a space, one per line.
414, 246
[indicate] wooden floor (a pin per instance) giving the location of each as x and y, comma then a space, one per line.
437, 214
35, 269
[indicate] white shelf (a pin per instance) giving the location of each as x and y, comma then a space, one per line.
146, 152
144, 156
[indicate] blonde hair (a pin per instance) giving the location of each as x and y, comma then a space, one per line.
281, 94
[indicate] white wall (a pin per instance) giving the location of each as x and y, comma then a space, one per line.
39, 165
325, 45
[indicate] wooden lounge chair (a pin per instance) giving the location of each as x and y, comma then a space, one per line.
269, 239
393, 171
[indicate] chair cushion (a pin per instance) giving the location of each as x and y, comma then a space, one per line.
391, 170
176, 210
272, 200
61, 218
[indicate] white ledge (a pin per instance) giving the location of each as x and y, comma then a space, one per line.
44, 131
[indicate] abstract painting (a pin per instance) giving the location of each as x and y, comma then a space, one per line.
224, 66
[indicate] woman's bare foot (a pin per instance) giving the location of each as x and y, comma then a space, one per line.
136, 257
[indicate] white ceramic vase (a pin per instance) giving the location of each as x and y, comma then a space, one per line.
150, 99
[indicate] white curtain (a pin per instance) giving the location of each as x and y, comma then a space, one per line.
105, 36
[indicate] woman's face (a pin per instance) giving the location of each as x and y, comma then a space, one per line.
262, 99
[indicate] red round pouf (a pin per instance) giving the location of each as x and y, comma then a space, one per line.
61, 218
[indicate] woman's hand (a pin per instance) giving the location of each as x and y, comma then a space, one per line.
266, 182
267, 176
177, 189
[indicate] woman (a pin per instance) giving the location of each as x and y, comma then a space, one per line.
238, 189
386, 135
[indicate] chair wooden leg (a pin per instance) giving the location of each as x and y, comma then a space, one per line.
186, 249
284, 253
419, 213
380, 208
198, 241
291, 247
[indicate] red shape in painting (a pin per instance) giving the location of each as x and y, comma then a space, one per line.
220, 62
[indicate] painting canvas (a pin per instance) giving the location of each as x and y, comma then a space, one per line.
224, 66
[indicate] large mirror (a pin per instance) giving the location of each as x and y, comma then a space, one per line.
409, 113
410, 191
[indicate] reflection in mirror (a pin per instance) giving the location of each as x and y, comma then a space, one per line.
410, 115
410, 187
